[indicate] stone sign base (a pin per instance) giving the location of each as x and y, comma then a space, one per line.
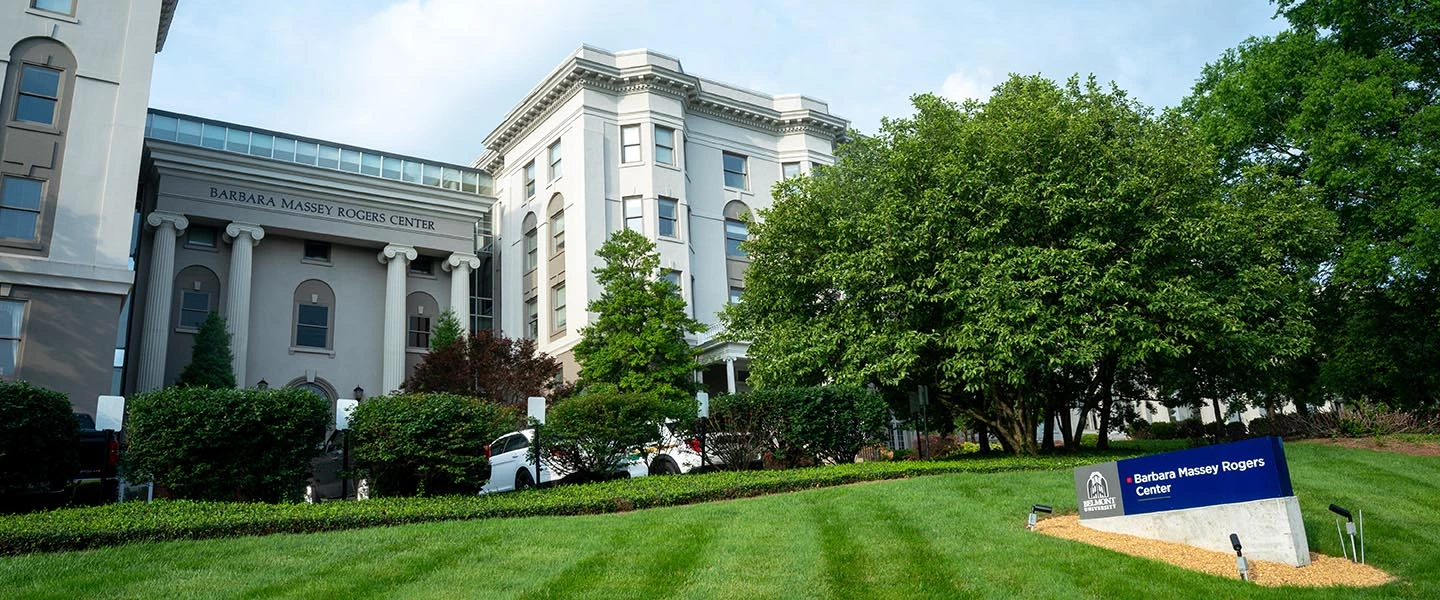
1269, 529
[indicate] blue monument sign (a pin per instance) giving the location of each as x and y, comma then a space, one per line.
1242, 471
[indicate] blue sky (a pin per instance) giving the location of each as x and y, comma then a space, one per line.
431, 78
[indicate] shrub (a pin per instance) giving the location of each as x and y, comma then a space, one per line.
591, 434
225, 444
744, 426
1191, 429
825, 423
1139, 429
37, 438
487, 366
211, 363
425, 443
1235, 431
1164, 430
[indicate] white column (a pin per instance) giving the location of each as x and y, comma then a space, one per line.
243, 238
460, 264
155, 336
392, 370
730, 375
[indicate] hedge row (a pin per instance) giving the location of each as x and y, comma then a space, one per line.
115, 524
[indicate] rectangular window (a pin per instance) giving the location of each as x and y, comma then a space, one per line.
430, 175
418, 334
312, 327
370, 164
317, 252
735, 294
451, 179
391, 168
284, 147
664, 145
188, 132
634, 215
261, 144
39, 94
532, 250
630, 143
532, 318
672, 276
213, 137
735, 171
329, 157
194, 307
12, 318
410, 171
557, 308
350, 160
20, 201
789, 169
557, 233
64, 7
530, 179
163, 127
237, 140
555, 171
735, 232
201, 236
422, 265
669, 217
305, 152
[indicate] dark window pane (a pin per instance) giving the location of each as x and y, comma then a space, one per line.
35, 110
317, 251
193, 319
21, 193
18, 224
40, 81
309, 336
201, 235
195, 301
313, 314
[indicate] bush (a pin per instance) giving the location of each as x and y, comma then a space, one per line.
591, 434
225, 444
211, 362
1164, 430
37, 438
425, 444
1139, 429
824, 423
1235, 431
744, 426
114, 524
1191, 429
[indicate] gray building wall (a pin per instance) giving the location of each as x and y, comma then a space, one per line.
69, 342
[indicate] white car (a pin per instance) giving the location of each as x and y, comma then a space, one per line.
511, 467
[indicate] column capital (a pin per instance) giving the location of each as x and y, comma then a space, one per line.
159, 217
394, 251
233, 232
461, 258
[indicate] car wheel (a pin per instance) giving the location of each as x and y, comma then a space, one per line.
523, 480
664, 466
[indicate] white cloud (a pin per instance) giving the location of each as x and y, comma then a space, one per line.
962, 85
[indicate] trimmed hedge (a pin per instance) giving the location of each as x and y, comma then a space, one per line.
426, 443
37, 438
114, 524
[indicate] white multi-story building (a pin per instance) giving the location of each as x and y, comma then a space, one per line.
630, 140
72, 113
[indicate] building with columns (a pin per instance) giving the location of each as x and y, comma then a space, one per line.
630, 140
72, 114
329, 262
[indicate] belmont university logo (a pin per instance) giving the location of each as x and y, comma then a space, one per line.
1097, 491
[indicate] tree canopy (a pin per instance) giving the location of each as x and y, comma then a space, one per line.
990, 249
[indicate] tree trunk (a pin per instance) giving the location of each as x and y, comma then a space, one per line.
1219, 419
1107, 397
1065, 434
982, 435
1047, 439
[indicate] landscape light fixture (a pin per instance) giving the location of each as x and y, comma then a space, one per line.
359, 393
1356, 553
1038, 508
262, 385
1240, 562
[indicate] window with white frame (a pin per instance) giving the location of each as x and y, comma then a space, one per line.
634, 215
64, 7
735, 232
557, 233
557, 308
39, 96
789, 169
530, 179
21, 199
664, 145
532, 318
736, 173
669, 214
735, 294
630, 143
672, 276
555, 171
12, 319
532, 247
194, 307
314, 315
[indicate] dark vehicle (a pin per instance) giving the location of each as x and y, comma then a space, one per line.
325, 470
96, 479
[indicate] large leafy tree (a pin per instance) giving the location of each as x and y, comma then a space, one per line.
637, 342
1003, 250
487, 366
1343, 107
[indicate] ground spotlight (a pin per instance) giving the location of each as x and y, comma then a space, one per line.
1038, 508
1356, 553
1240, 561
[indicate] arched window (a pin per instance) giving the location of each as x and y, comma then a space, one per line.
532, 249
421, 310
197, 294
314, 317
556, 210
35, 113
736, 230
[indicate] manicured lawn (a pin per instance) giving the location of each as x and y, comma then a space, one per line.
948, 536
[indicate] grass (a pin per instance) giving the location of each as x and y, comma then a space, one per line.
947, 536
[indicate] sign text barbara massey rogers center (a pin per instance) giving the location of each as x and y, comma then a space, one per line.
1239, 487
322, 209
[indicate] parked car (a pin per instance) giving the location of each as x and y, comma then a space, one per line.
325, 482
676, 454
99, 462
512, 468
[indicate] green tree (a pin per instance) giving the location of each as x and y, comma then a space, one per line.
211, 363
998, 250
447, 331
1342, 107
637, 342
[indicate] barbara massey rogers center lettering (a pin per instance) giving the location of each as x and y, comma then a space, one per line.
323, 209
